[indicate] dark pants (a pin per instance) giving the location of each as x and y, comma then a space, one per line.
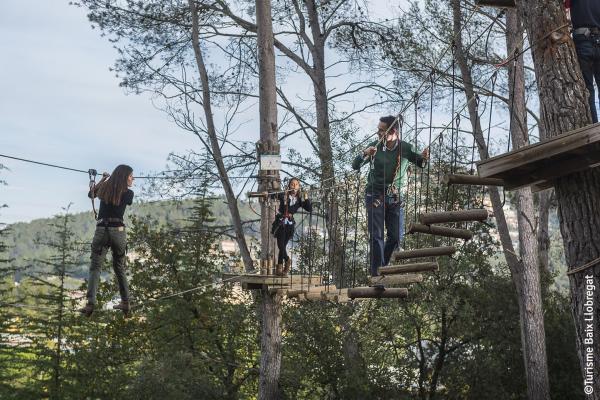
588, 53
116, 239
283, 234
380, 214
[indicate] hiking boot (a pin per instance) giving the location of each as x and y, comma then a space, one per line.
288, 266
279, 270
123, 306
87, 310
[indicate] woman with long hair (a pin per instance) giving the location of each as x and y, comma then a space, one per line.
115, 195
283, 226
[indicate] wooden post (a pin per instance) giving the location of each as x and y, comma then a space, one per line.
376, 293
416, 267
440, 231
453, 216
424, 252
458, 179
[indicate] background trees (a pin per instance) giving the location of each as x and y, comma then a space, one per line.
193, 337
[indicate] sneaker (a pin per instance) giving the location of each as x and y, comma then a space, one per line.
87, 310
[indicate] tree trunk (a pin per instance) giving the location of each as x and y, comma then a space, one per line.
324, 141
563, 100
355, 370
543, 236
270, 345
530, 296
544, 204
524, 271
270, 342
215, 149
441, 356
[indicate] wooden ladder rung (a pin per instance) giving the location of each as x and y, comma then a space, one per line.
392, 280
478, 214
424, 252
327, 295
461, 179
440, 231
377, 293
415, 267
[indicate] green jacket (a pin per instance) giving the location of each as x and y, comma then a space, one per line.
384, 166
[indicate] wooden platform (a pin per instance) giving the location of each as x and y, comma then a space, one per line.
256, 281
539, 164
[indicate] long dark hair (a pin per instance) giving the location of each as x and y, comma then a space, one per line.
112, 189
289, 190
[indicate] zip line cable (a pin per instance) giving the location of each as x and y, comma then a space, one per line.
134, 306
73, 169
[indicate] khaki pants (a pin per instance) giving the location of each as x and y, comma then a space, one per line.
116, 239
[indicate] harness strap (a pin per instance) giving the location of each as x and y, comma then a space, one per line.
92, 174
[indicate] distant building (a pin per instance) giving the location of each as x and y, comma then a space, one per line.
229, 246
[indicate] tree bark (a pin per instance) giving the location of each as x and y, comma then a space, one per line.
524, 271
215, 149
530, 295
563, 100
543, 236
270, 343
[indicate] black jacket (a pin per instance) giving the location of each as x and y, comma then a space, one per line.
286, 208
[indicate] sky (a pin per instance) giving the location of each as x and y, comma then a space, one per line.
61, 105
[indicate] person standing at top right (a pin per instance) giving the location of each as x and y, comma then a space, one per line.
585, 17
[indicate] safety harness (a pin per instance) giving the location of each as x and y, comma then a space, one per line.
92, 174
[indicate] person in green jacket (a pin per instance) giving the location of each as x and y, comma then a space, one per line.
389, 157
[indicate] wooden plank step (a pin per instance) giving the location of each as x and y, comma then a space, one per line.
296, 290
393, 280
541, 163
496, 3
440, 231
463, 179
478, 214
376, 293
272, 280
424, 252
415, 267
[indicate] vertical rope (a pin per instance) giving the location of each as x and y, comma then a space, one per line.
427, 200
452, 116
355, 229
343, 265
511, 112
325, 231
494, 77
417, 205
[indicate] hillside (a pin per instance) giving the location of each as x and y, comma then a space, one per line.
25, 239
